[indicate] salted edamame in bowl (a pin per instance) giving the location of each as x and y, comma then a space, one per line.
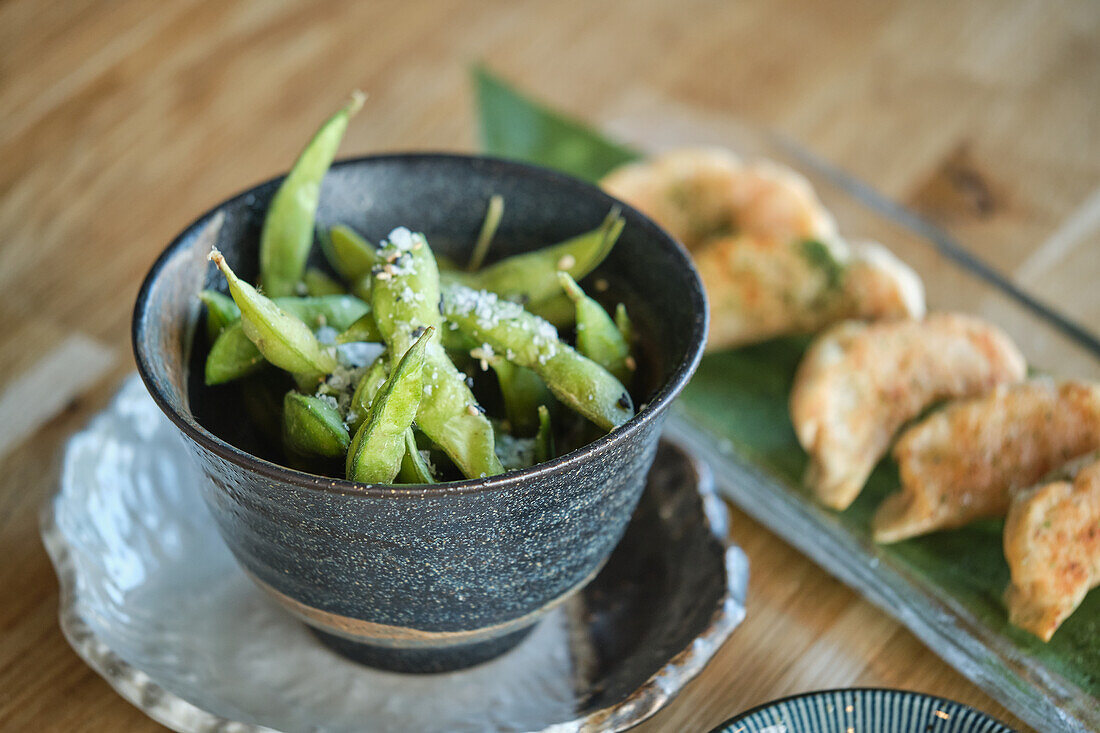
424, 389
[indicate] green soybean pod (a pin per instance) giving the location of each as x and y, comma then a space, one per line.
524, 339
532, 277
379, 443
288, 227
544, 438
368, 386
405, 299
350, 255
523, 392
414, 467
284, 339
364, 329
493, 214
313, 427
598, 337
337, 311
558, 310
319, 284
220, 311
624, 324
233, 355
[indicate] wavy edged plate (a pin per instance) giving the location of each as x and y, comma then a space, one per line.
154, 602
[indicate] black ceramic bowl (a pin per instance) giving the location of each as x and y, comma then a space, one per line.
444, 576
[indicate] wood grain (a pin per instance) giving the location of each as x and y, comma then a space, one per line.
121, 121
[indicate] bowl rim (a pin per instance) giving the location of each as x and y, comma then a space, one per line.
742, 716
651, 409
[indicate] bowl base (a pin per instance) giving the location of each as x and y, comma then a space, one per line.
424, 660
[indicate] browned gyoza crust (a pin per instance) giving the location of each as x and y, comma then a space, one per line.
700, 193
768, 251
963, 462
760, 288
1052, 544
860, 382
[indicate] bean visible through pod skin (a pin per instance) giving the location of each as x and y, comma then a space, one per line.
405, 299
318, 284
313, 427
220, 311
598, 337
233, 355
379, 443
284, 340
288, 227
544, 438
414, 467
527, 340
531, 278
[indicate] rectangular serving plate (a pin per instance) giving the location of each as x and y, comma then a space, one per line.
946, 588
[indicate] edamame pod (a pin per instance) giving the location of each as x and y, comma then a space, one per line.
527, 340
405, 299
284, 339
220, 311
558, 310
523, 392
319, 284
349, 254
233, 355
531, 278
414, 467
598, 337
364, 329
313, 427
493, 214
379, 443
544, 438
369, 384
288, 227
624, 324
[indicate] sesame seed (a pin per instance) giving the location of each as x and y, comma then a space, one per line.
566, 262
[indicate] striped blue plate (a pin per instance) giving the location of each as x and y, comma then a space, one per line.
862, 710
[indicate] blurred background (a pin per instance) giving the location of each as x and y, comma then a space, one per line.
121, 121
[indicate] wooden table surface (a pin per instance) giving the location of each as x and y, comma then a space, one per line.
121, 121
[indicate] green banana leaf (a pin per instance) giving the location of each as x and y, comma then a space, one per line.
740, 398
516, 127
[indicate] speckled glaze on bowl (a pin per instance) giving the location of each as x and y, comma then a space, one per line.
438, 577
